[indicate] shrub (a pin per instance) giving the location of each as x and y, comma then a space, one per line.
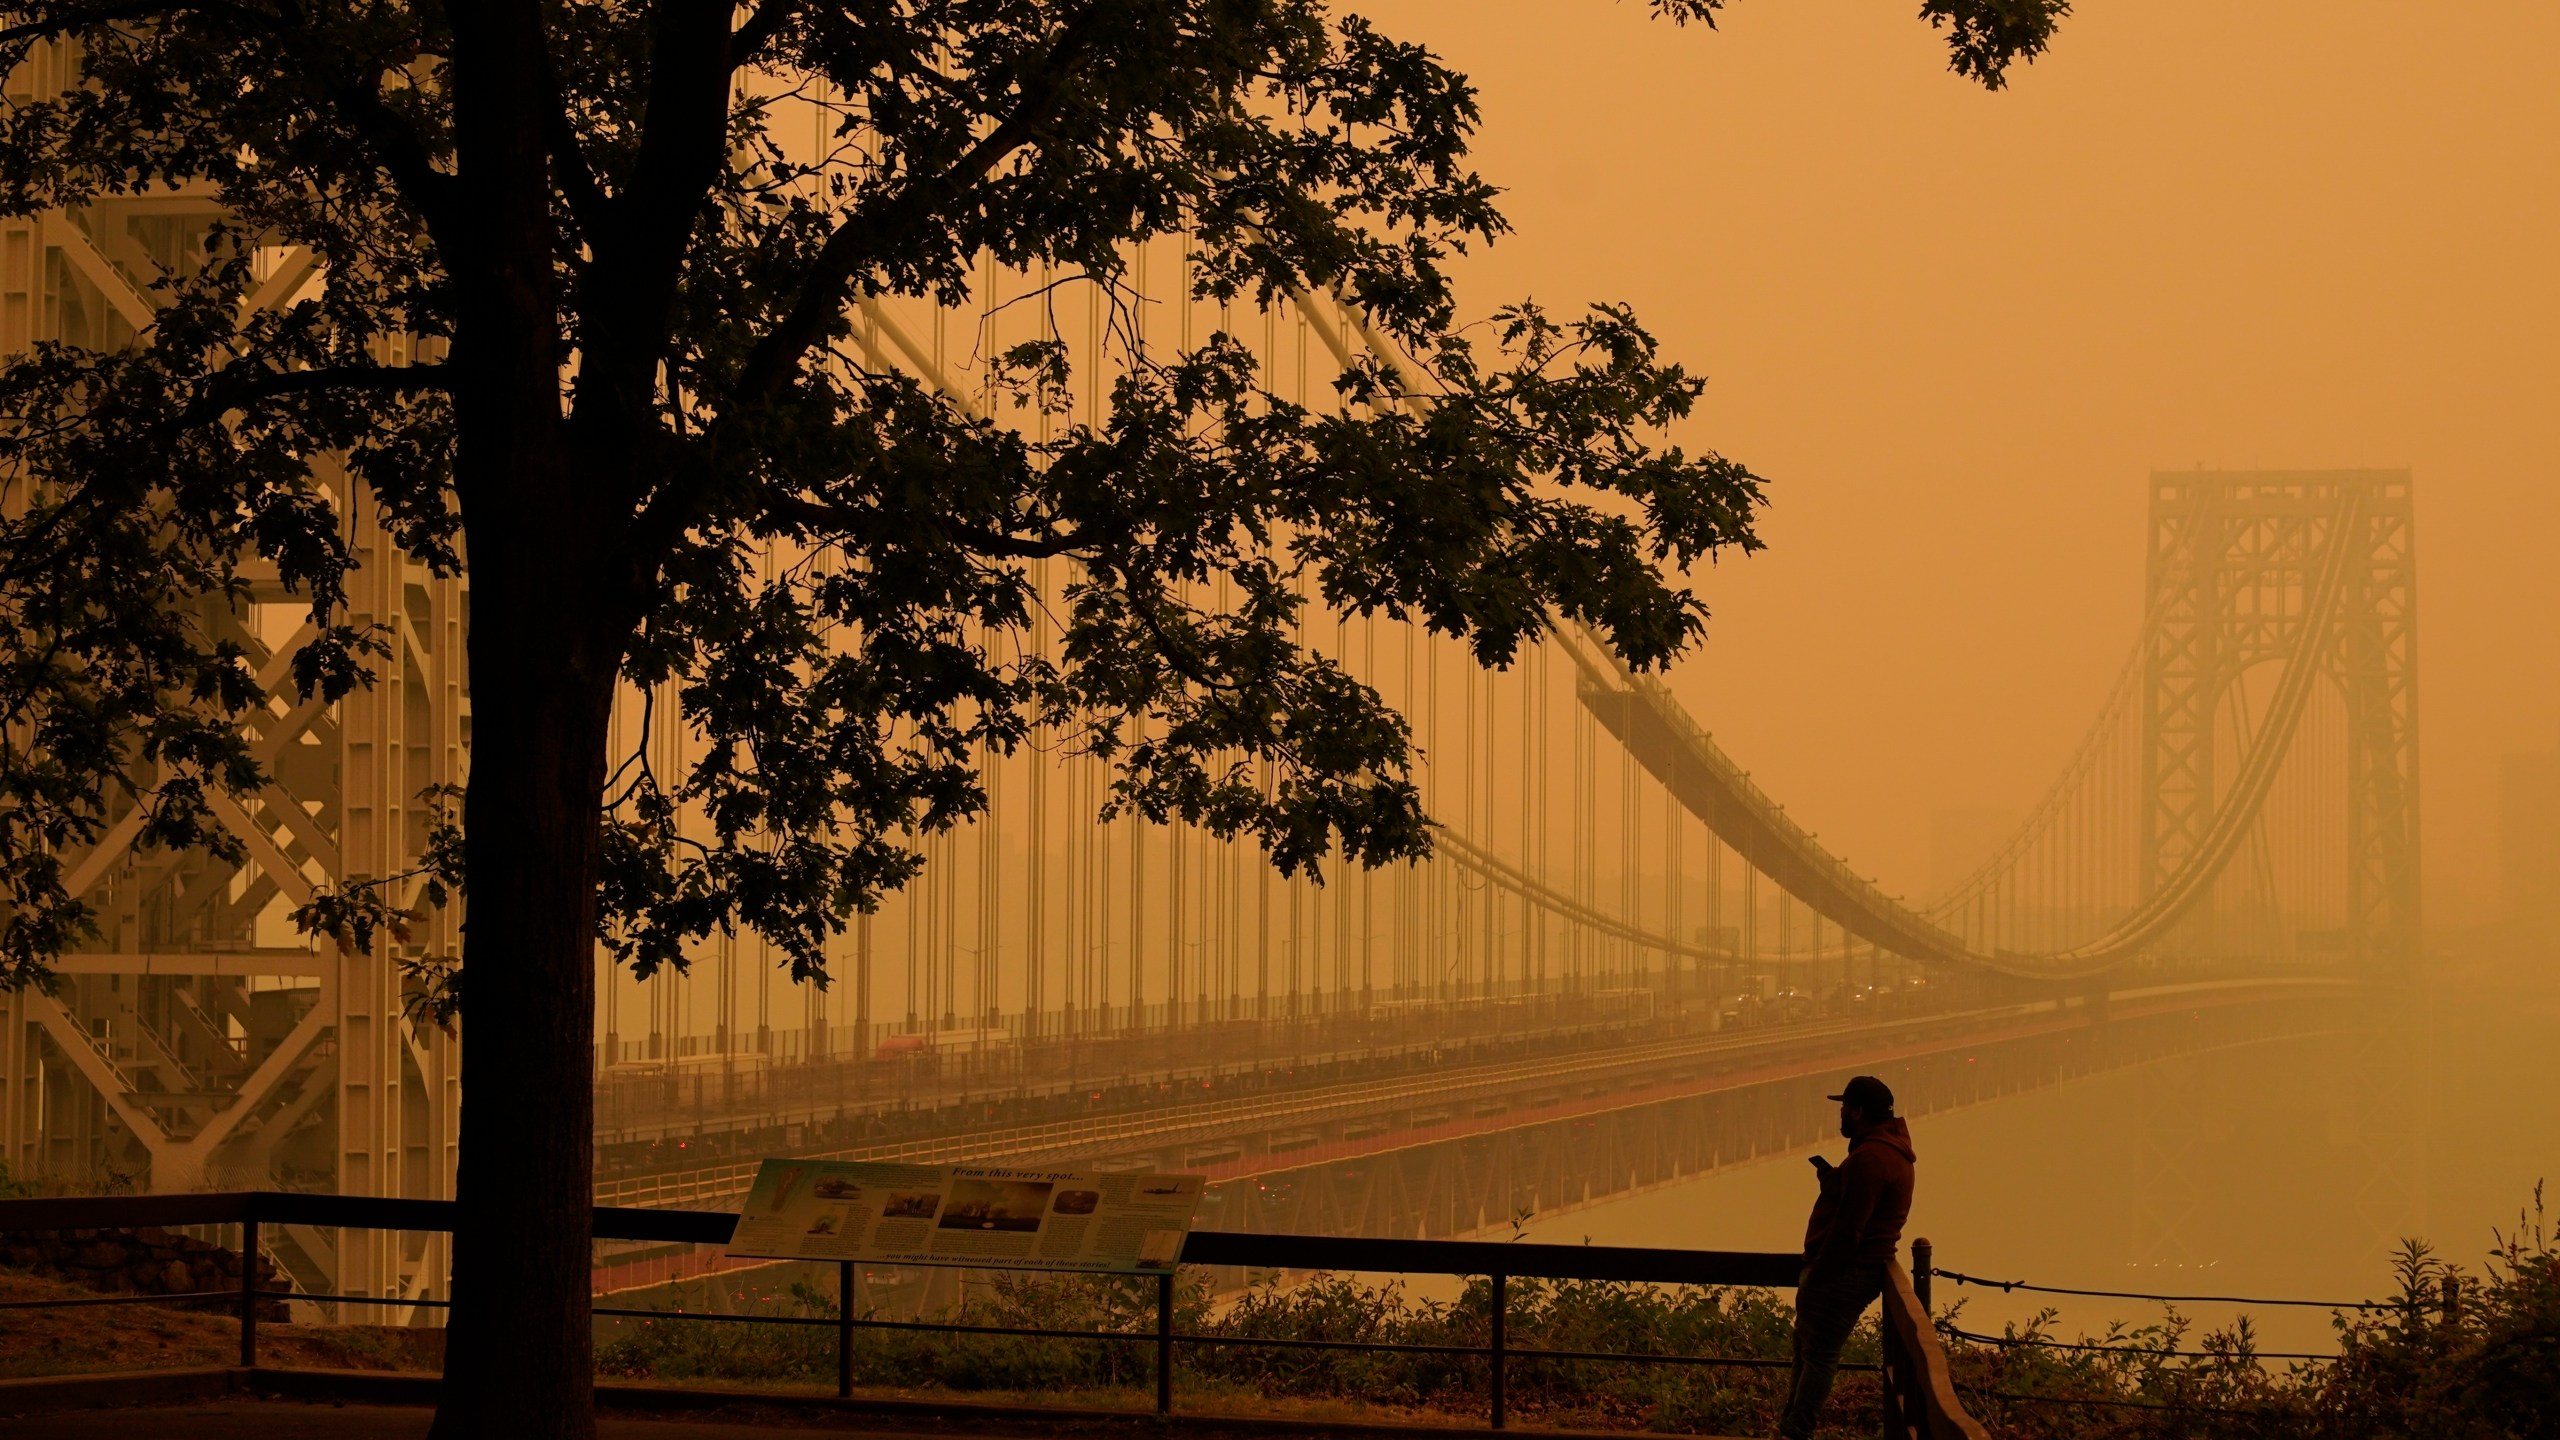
2491, 1371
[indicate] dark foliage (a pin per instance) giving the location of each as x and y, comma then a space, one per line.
2410, 1372
701, 279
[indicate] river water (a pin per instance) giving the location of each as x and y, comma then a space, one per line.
2286, 1169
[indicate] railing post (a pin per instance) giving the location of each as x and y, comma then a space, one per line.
844, 1329
1494, 1355
248, 1291
1164, 1343
1922, 1256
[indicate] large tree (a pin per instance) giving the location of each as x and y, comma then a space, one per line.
635, 303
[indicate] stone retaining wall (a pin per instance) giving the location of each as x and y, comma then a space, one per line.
147, 1261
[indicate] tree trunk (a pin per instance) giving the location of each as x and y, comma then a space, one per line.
554, 606
519, 1355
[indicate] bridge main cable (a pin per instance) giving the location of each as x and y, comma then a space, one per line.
1645, 718
1641, 713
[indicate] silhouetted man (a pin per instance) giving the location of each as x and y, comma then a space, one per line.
1856, 1222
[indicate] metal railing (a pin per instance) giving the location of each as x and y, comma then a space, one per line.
1919, 1395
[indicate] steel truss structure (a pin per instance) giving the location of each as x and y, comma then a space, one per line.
200, 1041
2236, 560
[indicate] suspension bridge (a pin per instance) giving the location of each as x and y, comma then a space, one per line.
1625, 963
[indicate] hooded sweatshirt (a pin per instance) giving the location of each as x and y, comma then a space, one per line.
1864, 1201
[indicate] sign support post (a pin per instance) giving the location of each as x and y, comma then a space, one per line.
1164, 1343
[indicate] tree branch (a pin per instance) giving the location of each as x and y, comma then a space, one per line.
769, 365
29, 552
396, 147
271, 384
640, 249
1177, 654
589, 206
57, 22
837, 519
761, 27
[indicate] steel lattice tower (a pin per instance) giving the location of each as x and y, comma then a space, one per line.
2235, 562
200, 1041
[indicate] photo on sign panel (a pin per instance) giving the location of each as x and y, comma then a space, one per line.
996, 1205
911, 1205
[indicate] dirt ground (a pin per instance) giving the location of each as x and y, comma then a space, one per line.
292, 1420
255, 1419
95, 1338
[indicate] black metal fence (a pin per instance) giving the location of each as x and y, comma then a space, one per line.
1919, 1400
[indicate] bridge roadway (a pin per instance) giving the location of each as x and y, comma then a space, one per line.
644, 1111
1234, 1139
1468, 1151
1471, 1179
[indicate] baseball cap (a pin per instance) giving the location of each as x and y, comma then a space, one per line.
1867, 1093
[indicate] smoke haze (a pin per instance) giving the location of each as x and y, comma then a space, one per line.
1959, 329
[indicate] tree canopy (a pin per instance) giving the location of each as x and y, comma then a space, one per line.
586, 330
699, 274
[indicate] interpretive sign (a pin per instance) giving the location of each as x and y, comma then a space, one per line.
982, 1216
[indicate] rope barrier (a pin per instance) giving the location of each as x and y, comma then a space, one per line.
2041, 1343
1964, 1279
1990, 1394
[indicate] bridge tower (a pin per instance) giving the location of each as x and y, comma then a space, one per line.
2235, 562
198, 1041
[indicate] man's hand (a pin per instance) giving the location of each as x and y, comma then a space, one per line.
1821, 1164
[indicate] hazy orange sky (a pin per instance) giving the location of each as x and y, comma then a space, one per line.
1959, 328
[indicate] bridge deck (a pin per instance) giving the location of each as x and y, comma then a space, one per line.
1592, 1080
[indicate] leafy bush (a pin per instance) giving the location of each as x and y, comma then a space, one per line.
2489, 1371
2493, 1370
683, 1350
1313, 1312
